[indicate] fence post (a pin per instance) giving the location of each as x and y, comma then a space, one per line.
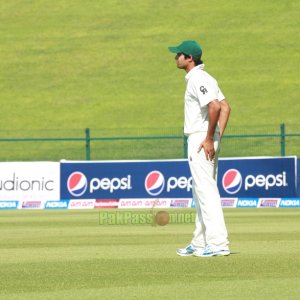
185, 154
282, 139
87, 144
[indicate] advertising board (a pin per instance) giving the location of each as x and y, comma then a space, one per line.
29, 181
237, 177
258, 177
125, 179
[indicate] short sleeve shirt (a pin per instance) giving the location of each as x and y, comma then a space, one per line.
201, 89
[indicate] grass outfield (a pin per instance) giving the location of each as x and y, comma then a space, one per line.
105, 65
68, 255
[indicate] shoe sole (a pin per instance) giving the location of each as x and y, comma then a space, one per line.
221, 253
183, 254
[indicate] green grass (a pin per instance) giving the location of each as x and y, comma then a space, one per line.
105, 65
68, 255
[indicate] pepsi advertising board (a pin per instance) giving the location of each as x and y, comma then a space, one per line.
125, 179
258, 177
237, 177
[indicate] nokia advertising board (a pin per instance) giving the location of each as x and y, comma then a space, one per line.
125, 179
258, 177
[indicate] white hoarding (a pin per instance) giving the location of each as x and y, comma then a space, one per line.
29, 181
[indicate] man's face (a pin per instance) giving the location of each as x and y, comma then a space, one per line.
181, 61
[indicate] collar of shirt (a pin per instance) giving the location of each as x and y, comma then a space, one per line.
191, 72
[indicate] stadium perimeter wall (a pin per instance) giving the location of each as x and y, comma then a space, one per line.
243, 182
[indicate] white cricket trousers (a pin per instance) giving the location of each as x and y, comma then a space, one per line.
210, 225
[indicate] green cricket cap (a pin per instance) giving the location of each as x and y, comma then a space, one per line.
188, 47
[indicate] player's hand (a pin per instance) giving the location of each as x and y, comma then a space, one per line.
208, 147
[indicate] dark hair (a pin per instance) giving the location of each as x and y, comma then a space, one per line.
197, 60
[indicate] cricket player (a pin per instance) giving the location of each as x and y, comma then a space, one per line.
206, 114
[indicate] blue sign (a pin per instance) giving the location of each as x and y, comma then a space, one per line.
239, 178
9, 204
257, 177
62, 204
125, 179
289, 203
247, 202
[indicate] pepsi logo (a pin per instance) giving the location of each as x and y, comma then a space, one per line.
154, 183
232, 181
77, 184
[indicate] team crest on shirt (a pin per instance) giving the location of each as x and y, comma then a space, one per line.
203, 90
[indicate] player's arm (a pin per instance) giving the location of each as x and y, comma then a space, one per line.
224, 116
214, 110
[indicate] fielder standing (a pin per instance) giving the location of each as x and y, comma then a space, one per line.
206, 113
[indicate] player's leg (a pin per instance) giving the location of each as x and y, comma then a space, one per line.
205, 187
199, 239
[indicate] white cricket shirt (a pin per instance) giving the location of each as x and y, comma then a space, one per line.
200, 90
